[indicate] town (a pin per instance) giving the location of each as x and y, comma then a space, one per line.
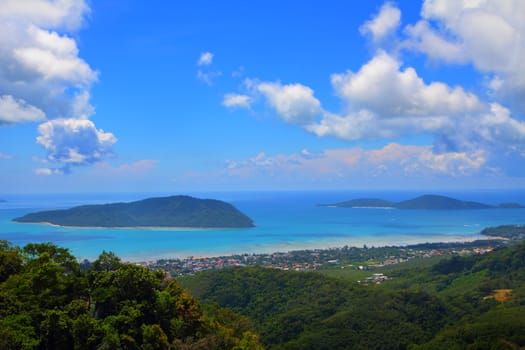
362, 258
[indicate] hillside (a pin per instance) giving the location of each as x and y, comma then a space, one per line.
427, 202
48, 301
174, 211
462, 302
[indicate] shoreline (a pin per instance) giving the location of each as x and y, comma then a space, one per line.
291, 247
146, 228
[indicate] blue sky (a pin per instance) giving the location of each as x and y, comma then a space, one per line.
176, 96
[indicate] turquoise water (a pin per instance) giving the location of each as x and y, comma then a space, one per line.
284, 221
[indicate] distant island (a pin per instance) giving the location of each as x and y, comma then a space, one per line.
429, 202
174, 211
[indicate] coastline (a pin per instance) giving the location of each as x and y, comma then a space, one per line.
146, 228
288, 247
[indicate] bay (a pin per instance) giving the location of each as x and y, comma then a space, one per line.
284, 221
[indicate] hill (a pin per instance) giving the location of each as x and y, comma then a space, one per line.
429, 202
174, 211
434, 202
463, 302
366, 202
49, 301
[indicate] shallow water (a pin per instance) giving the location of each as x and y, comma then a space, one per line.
284, 221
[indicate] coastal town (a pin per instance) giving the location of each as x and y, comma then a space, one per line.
360, 258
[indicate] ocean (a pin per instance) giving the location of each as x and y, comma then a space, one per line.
284, 220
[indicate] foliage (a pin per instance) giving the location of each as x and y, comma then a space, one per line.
48, 302
506, 231
447, 305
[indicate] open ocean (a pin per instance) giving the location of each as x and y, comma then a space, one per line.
284, 221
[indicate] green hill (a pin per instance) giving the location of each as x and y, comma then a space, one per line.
472, 302
174, 211
429, 202
49, 302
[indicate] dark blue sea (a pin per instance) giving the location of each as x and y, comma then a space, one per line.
284, 221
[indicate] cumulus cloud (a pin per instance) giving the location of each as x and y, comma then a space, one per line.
42, 76
388, 99
66, 14
236, 100
18, 111
294, 103
384, 24
489, 34
383, 87
74, 142
37, 64
385, 101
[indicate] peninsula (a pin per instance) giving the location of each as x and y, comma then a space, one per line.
428, 202
173, 211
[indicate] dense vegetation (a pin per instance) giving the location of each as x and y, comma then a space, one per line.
48, 302
174, 211
430, 202
472, 302
513, 232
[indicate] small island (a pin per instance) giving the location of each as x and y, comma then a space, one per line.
425, 202
173, 211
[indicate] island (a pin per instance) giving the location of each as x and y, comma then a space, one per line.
173, 211
428, 202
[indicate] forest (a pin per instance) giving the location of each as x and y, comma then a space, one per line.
50, 301
474, 302
47, 301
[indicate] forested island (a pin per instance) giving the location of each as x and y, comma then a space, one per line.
429, 202
174, 211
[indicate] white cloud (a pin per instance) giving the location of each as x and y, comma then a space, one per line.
53, 57
205, 59
489, 34
48, 171
385, 101
384, 88
236, 100
5, 156
66, 14
391, 161
74, 142
208, 77
43, 76
139, 167
294, 103
17, 111
384, 24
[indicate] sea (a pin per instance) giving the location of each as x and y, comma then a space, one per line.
284, 221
